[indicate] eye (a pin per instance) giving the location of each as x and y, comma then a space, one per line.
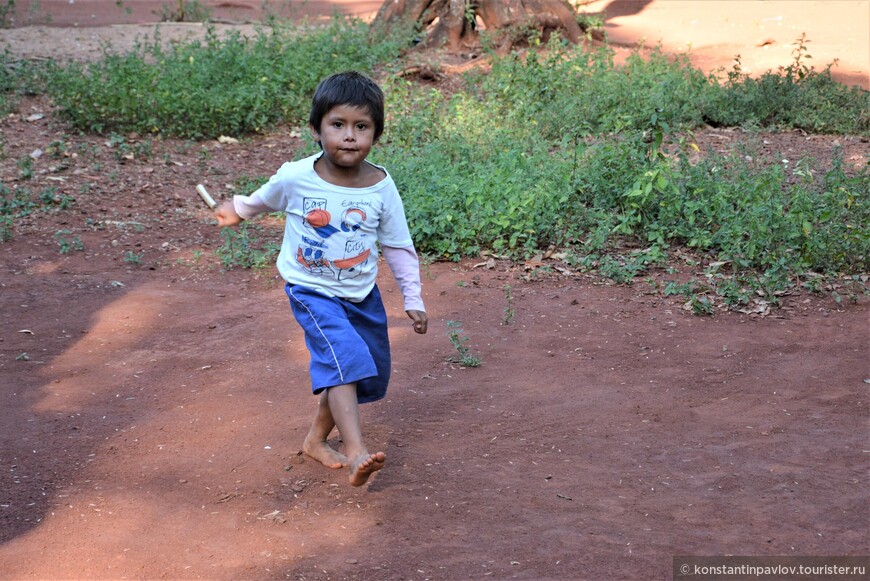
362, 126
337, 124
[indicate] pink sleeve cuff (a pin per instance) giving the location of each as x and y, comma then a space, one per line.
249, 206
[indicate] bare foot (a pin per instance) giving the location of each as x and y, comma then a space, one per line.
365, 466
323, 453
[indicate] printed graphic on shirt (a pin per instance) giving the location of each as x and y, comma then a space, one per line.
317, 217
352, 219
313, 253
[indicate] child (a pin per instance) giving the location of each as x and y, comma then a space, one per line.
338, 205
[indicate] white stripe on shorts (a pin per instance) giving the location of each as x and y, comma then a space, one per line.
331, 350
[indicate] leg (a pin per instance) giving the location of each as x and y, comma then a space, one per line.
345, 412
315, 442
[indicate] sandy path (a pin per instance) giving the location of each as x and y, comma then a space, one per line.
711, 32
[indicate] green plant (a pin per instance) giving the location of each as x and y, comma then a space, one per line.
247, 185
733, 291
49, 197
203, 156
701, 305
20, 78
426, 265
20, 201
118, 144
16, 202
222, 85
57, 149
25, 167
686, 289
590, 24
5, 228
143, 149
464, 355
795, 96
243, 248
469, 12
617, 270
132, 258
509, 310
68, 244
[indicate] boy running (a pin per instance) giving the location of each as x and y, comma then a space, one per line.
338, 206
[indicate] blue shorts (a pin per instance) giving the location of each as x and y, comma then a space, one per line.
348, 341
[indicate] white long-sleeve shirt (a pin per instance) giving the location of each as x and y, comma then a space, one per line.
331, 233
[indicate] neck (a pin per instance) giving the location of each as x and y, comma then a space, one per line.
357, 176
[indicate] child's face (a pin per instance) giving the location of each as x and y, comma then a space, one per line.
346, 135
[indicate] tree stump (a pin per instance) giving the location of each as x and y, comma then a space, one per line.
456, 24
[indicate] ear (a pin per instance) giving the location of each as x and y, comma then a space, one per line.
315, 133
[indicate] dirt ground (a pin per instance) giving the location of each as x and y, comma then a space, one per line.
152, 405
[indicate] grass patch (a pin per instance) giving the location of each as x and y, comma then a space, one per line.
20, 78
245, 247
563, 149
19, 201
554, 148
228, 85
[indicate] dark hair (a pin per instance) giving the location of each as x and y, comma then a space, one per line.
348, 88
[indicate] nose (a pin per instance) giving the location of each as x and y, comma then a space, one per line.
349, 134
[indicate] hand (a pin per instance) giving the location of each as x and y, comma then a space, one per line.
226, 214
421, 322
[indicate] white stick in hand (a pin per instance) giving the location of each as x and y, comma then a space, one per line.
209, 201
